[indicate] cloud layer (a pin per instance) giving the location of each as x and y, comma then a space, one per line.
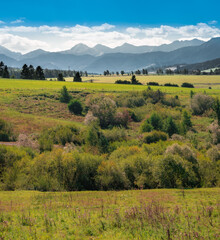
53, 38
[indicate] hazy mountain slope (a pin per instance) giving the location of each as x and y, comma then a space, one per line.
9, 53
116, 62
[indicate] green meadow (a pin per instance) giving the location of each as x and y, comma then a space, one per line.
149, 181
137, 214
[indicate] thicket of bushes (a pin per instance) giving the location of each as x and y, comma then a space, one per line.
157, 165
164, 151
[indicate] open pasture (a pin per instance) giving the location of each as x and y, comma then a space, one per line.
137, 214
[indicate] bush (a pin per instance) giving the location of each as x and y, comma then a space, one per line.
170, 85
122, 82
6, 133
175, 172
132, 102
172, 102
122, 118
156, 121
75, 107
146, 127
104, 108
155, 96
200, 103
154, 136
64, 95
153, 84
115, 134
187, 85
95, 140
111, 177
170, 126
58, 135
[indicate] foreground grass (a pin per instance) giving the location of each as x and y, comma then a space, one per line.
138, 214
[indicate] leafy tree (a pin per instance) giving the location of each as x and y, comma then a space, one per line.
122, 72
216, 108
75, 107
77, 78
39, 73
64, 95
5, 73
60, 77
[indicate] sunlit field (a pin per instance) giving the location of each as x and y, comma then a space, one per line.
146, 214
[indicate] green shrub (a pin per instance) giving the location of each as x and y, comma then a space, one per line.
104, 108
6, 133
110, 176
58, 135
154, 136
187, 85
156, 121
174, 172
146, 127
95, 140
75, 107
64, 95
115, 134
200, 103
170, 126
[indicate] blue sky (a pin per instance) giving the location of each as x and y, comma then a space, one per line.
118, 12
58, 25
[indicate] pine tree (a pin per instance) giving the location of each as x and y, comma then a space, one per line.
31, 72
64, 95
1, 68
77, 78
25, 72
5, 73
39, 73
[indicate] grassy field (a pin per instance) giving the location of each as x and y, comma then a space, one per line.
32, 105
137, 214
201, 81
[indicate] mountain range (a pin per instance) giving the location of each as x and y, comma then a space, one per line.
126, 57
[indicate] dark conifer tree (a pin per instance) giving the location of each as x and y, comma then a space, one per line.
39, 73
1, 68
5, 73
25, 72
31, 72
77, 78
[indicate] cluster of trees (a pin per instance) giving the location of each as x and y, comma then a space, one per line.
29, 72
53, 73
4, 73
76, 78
157, 165
133, 81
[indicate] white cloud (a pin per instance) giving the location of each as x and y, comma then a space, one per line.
2, 22
21, 44
54, 38
17, 21
213, 22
